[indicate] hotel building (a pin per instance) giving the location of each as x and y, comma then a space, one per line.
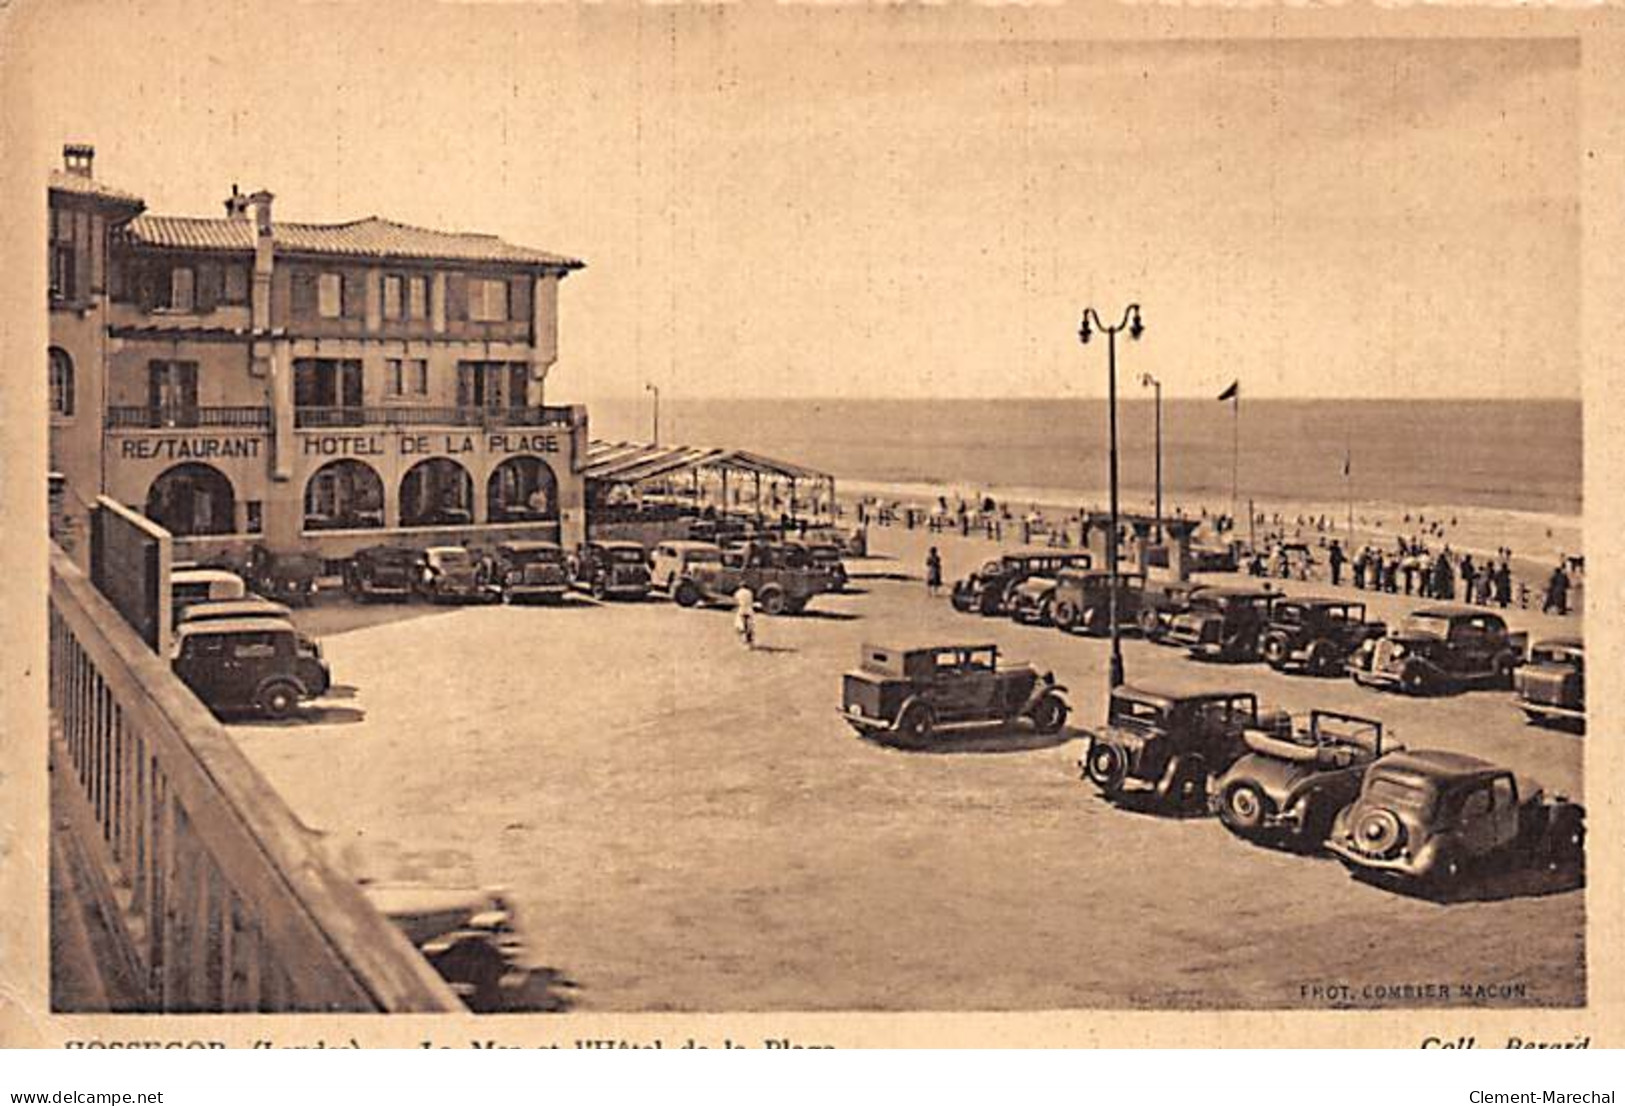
309, 387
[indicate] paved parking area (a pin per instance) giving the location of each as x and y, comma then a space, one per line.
687, 826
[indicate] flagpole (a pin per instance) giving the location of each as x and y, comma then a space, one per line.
1235, 461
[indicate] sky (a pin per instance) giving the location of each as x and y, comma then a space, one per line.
876, 203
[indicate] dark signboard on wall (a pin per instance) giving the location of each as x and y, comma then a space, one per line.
130, 557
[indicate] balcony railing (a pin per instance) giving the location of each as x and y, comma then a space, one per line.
322, 418
164, 418
215, 897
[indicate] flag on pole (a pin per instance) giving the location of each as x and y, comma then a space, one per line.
1232, 392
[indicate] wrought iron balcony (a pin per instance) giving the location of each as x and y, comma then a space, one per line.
323, 418
164, 418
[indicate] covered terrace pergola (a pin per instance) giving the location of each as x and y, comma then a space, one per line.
640, 477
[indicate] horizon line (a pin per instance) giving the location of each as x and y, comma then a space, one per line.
1136, 397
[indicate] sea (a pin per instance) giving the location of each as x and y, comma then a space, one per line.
1502, 472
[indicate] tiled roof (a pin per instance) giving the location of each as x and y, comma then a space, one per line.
79, 185
370, 237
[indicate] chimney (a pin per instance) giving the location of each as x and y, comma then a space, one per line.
77, 158
261, 204
236, 204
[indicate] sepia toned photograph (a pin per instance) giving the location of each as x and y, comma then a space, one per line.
639, 509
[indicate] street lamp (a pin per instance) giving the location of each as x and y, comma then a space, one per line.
1149, 381
1130, 321
656, 390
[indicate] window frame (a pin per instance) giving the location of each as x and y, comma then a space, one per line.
61, 384
329, 289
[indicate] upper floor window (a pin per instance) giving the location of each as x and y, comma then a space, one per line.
407, 376
61, 383
235, 288
182, 289
63, 254
330, 295
393, 295
488, 301
417, 297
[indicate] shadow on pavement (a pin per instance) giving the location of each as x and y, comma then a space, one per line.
1498, 885
950, 742
317, 715
829, 616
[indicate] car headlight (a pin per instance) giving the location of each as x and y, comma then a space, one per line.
1399, 652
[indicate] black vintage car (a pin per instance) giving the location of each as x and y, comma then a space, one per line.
381, 572
529, 570
1551, 685
1444, 648
1289, 786
1316, 635
1431, 817
1224, 624
606, 569
286, 577
913, 692
261, 664
987, 590
1083, 601
1161, 603
466, 934
1170, 743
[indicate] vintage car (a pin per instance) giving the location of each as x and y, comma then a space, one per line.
1551, 685
1171, 743
1161, 603
1289, 786
192, 584
1083, 601
1224, 623
606, 569
450, 573
1032, 601
466, 934
1441, 649
249, 607
1316, 635
380, 572
825, 556
289, 577
988, 589
1429, 816
912, 692
260, 664
851, 541
670, 560
780, 584
528, 570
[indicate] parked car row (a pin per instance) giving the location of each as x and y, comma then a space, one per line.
1328, 781
1436, 649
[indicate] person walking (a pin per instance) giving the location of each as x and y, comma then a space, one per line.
745, 616
1469, 578
1334, 556
1503, 584
933, 572
1359, 570
1557, 592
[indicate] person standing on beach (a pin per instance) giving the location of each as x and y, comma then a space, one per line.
1359, 570
1469, 577
1335, 556
1503, 584
933, 572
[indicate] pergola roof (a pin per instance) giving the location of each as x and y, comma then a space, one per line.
636, 462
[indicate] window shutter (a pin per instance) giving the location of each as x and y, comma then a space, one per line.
303, 294
210, 286
355, 294
146, 283
457, 297
519, 299
82, 248
117, 279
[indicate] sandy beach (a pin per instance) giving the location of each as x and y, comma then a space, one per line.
685, 825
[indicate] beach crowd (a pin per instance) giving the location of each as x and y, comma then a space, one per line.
1301, 547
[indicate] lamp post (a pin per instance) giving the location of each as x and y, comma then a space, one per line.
656, 390
1149, 381
1131, 322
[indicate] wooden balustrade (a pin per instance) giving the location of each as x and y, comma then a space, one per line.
218, 898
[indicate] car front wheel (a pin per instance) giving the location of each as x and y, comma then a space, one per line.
686, 593
916, 722
1243, 808
278, 698
1107, 767
1048, 714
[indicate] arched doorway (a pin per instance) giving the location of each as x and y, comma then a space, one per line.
344, 495
522, 489
192, 499
437, 492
